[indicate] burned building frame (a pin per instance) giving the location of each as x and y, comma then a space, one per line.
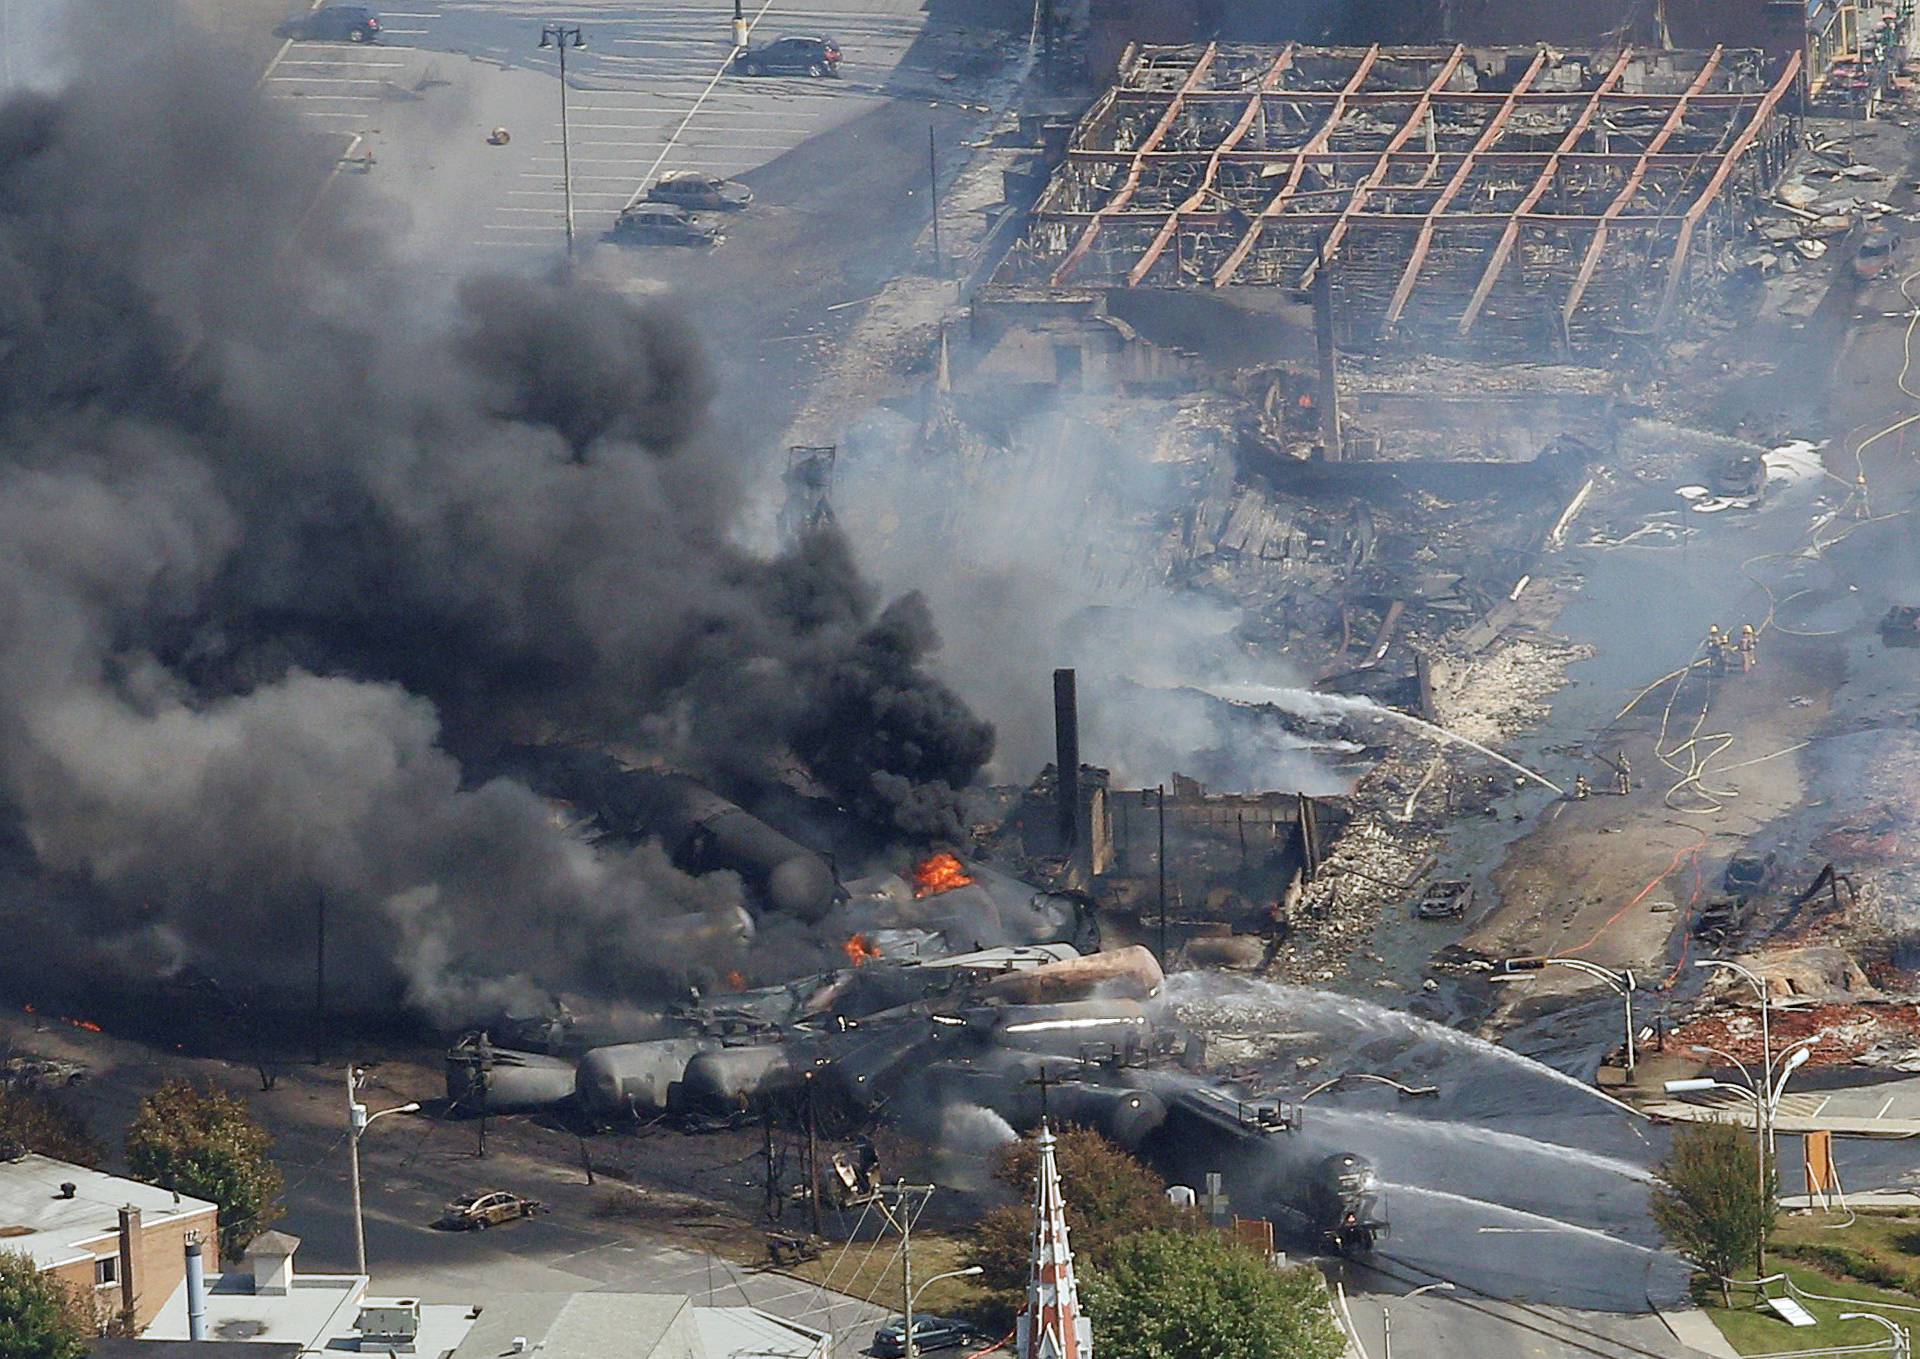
1484, 200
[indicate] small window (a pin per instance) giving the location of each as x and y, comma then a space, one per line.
106, 1270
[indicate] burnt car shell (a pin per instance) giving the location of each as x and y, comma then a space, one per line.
664, 224
701, 193
1445, 900
1749, 874
477, 1212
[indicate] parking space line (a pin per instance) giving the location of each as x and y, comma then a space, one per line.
406, 32
304, 62
555, 190
331, 80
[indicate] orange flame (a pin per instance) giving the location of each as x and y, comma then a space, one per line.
941, 873
86, 1024
860, 949
736, 981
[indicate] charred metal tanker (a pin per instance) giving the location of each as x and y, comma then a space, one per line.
702, 831
1025, 1032
1332, 1198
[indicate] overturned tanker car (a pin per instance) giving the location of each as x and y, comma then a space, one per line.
1333, 1199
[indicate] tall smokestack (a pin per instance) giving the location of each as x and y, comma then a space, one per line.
1066, 746
196, 1290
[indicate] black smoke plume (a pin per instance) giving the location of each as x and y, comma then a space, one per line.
281, 532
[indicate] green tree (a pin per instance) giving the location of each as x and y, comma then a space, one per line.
39, 1316
202, 1141
37, 1122
1709, 1201
1109, 1195
1171, 1295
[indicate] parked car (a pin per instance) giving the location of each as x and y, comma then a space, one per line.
701, 193
791, 56
333, 23
477, 1212
1447, 899
929, 1333
664, 224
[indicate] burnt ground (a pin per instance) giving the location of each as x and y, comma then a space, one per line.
1611, 879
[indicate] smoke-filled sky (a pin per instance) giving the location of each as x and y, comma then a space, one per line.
278, 533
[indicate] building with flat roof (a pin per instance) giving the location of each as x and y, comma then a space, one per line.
267, 1301
119, 1241
633, 1326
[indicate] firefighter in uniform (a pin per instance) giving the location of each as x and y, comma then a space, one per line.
1749, 646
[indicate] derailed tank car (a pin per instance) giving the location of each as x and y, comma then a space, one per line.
1342, 1200
1332, 1198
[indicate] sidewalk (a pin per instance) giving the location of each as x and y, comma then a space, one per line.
1692, 1329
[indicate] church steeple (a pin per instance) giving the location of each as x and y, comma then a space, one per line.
1051, 1327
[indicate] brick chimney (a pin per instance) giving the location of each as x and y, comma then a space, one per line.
129, 1259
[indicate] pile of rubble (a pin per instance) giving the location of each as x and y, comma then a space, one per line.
1877, 1033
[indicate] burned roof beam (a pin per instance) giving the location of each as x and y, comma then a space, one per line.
1599, 242
1526, 159
1488, 136
1511, 233
1411, 221
1719, 99
1742, 144
1317, 142
1154, 138
1199, 195
1383, 165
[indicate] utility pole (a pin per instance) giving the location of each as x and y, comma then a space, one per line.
813, 1159
902, 1203
320, 980
356, 1121
561, 37
906, 1273
1162, 801
933, 180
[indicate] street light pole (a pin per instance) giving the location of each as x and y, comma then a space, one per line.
561, 37
1760, 987
1766, 1094
1386, 1315
1620, 983
358, 1121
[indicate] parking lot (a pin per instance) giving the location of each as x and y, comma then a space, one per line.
647, 95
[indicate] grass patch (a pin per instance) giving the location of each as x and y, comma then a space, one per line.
861, 1273
1751, 1330
1878, 1248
